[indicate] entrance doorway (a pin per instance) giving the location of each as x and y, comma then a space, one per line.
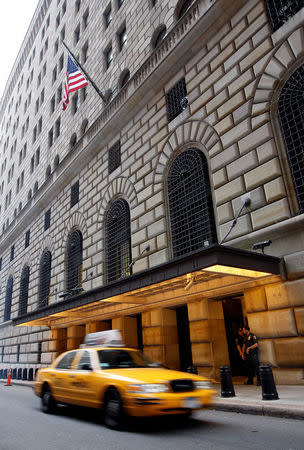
234, 318
184, 342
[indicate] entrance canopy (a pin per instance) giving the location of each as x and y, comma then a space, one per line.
214, 272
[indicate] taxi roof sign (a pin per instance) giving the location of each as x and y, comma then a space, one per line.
109, 338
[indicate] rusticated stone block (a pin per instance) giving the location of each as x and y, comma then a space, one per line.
267, 353
201, 354
199, 331
255, 299
155, 353
290, 352
151, 318
152, 336
282, 295
288, 376
299, 315
198, 310
270, 214
294, 264
280, 323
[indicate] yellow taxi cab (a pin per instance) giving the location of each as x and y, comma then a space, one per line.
119, 381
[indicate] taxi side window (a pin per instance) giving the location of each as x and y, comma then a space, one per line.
85, 362
66, 361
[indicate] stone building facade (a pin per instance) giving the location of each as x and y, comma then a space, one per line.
141, 212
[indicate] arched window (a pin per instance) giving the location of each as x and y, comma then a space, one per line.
159, 35
8, 298
182, 7
118, 241
190, 203
280, 11
291, 115
24, 288
44, 279
74, 261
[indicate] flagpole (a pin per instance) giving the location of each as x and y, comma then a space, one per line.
85, 73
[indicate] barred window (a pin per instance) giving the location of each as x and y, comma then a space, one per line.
12, 252
74, 261
114, 157
74, 194
291, 115
190, 203
8, 298
27, 238
280, 11
175, 98
118, 241
44, 279
24, 288
47, 220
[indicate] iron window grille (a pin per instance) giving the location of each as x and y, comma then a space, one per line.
47, 220
114, 157
74, 261
175, 98
27, 238
280, 11
118, 241
24, 288
8, 298
74, 194
190, 203
44, 279
291, 116
12, 252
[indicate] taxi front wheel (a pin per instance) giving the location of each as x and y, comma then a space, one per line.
48, 404
113, 409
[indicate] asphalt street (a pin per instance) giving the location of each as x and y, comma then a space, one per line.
24, 427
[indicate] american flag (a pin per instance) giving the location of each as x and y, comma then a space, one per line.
74, 80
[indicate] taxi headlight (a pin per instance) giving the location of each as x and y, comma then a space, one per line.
147, 388
202, 385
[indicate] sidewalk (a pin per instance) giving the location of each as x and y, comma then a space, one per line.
248, 400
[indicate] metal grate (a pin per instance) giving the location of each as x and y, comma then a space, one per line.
24, 288
44, 279
118, 241
47, 220
74, 194
175, 98
74, 261
190, 203
291, 115
280, 11
114, 157
8, 298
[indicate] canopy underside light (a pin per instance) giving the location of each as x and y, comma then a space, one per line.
217, 268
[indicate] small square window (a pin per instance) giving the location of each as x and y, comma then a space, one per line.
85, 19
75, 104
27, 238
77, 35
84, 52
54, 74
59, 94
42, 96
58, 21
122, 38
12, 252
64, 7
47, 220
77, 6
53, 103
176, 99
51, 137
108, 17
74, 194
57, 128
56, 46
114, 157
109, 57
60, 64
119, 3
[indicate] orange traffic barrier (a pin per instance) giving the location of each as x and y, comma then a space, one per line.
8, 383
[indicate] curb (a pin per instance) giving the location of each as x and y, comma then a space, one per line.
282, 411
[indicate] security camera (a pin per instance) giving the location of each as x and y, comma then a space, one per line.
261, 245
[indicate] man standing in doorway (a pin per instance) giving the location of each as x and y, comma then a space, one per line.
252, 355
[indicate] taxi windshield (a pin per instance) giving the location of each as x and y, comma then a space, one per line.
123, 359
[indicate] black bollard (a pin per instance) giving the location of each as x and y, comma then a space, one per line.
227, 389
269, 391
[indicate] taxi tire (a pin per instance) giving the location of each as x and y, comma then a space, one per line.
113, 413
48, 404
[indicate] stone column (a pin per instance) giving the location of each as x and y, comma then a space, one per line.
75, 335
58, 340
160, 336
128, 328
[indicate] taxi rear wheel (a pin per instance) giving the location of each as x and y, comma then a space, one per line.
48, 404
113, 409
